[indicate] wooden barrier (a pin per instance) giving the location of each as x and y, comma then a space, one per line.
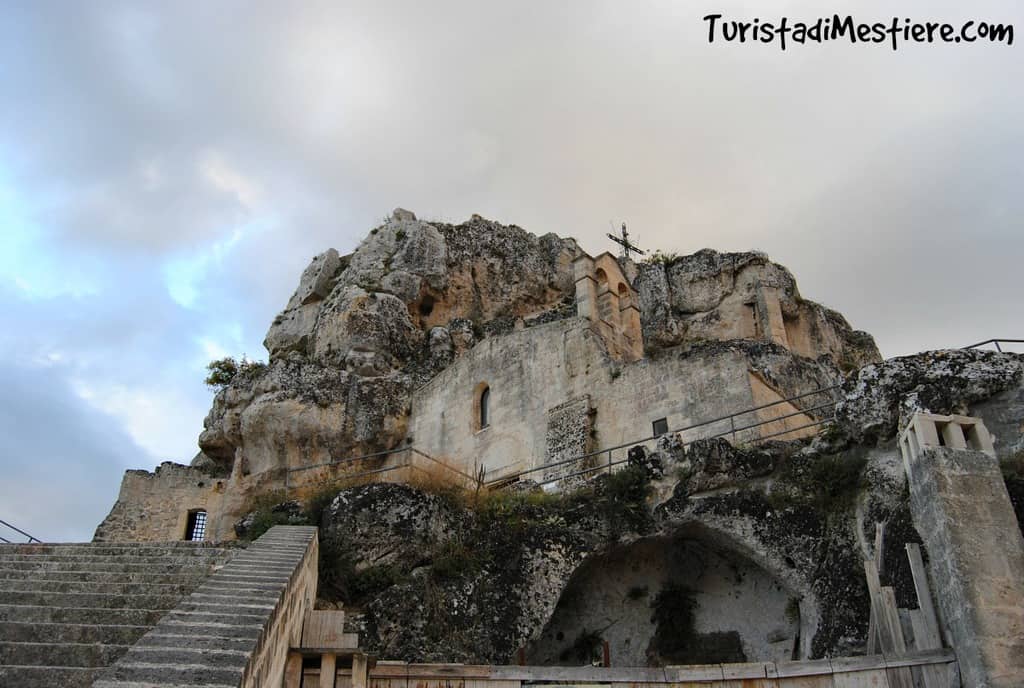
874, 671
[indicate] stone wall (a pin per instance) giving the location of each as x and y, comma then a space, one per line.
531, 372
976, 560
154, 507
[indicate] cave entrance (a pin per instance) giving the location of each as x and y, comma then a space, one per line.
670, 600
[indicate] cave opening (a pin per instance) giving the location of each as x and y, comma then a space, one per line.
664, 601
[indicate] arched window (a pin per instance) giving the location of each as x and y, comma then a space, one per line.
485, 411
196, 528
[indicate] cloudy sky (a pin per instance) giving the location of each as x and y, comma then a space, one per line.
168, 169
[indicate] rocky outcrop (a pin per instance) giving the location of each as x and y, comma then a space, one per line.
719, 296
436, 577
881, 398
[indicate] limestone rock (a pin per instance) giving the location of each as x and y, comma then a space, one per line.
881, 398
720, 296
716, 463
316, 281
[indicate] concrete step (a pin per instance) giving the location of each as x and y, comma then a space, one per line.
163, 675
80, 615
191, 576
88, 599
113, 634
113, 548
60, 654
36, 584
111, 565
17, 676
198, 638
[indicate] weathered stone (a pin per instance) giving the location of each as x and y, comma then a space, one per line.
884, 395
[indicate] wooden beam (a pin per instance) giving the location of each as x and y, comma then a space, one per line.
932, 639
293, 671
359, 671
328, 669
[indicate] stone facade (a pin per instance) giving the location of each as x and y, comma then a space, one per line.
531, 373
388, 347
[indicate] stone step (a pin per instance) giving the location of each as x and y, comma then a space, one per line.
60, 654
89, 599
17, 676
80, 615
191, 576
217, 658
168, 558
36, 584
164, 675
198, 638
113, 634
118, 549
109, 565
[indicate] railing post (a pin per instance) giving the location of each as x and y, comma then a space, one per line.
732, 425
609, 462
998, 348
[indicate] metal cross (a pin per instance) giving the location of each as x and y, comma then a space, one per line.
624, 243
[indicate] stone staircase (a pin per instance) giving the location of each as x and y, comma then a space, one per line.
69, 610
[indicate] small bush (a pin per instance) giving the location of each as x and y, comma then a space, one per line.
400, 234
453, 559
223, 371
659, 257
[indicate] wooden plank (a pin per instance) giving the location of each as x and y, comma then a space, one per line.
293, 670
359, 671
933, 635
810, 667
326, 628
868, 678
694, 672
885, 639
899, 677
872, 647
587, 674
443, 671
880, 547
746, 670
328, 669
805, 682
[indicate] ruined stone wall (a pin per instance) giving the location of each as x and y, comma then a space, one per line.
154, 507
533, 371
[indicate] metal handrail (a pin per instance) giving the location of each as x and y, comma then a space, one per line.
386, 469
997, 342
31, 538
732, 431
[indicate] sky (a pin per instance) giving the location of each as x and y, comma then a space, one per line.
168, 169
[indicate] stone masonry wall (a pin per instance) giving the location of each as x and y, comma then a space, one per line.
532, 371
976, 552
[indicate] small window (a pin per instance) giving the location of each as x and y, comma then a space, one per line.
485, 403
196, 529
660, 427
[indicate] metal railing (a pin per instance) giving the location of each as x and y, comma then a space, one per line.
998, 342
510, 478
733, 429
31, 538
409, 463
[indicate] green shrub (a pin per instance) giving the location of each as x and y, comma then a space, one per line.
223, 371
659, 257
453, 559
